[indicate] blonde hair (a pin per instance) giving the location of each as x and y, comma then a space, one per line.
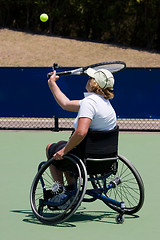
106, 93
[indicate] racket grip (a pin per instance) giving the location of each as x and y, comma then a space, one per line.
59, 73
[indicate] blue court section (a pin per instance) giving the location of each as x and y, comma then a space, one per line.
21, 153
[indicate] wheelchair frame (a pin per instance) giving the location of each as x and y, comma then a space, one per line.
119, 186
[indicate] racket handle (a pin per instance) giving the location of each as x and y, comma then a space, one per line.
59, 73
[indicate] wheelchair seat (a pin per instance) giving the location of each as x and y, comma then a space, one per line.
100, 151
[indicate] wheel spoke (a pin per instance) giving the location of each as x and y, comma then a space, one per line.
130, 190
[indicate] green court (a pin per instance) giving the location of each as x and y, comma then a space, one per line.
21, 152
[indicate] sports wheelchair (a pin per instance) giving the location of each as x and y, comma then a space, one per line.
111, 178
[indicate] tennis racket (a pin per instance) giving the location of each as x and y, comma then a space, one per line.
112, 66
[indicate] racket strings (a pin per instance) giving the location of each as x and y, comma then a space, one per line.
111, 67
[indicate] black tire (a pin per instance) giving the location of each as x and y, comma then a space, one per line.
43, 181
119, 219
130, 190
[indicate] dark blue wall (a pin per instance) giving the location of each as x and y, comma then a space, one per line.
25, 92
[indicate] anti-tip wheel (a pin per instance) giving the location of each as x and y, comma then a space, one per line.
119, 219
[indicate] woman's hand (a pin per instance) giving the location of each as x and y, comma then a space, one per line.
53, 78
59, 155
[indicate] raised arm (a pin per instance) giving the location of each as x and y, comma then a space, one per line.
60, 97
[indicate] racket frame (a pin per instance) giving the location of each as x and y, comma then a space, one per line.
81, 70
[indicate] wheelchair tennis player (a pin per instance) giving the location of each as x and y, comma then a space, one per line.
95, 112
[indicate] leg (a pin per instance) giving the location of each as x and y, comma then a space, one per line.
56, 174
70, 180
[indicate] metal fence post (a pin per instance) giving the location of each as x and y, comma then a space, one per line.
56, 129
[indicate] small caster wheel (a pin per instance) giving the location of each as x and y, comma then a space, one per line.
119, 219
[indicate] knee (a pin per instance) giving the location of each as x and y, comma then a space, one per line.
47, 150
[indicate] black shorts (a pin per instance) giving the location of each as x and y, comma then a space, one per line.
55, 147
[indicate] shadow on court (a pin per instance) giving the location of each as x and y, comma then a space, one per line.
82, 216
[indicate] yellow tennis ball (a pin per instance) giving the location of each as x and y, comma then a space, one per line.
44, 17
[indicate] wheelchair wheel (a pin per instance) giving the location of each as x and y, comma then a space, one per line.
130, 188
52, 207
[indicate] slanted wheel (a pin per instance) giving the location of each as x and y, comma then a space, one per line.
129, 189
52, 208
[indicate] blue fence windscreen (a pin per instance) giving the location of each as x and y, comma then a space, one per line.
24, 92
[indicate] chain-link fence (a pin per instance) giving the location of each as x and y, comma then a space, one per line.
58, 124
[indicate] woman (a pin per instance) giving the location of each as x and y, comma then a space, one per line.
94, 112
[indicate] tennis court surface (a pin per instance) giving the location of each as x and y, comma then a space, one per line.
21, 152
